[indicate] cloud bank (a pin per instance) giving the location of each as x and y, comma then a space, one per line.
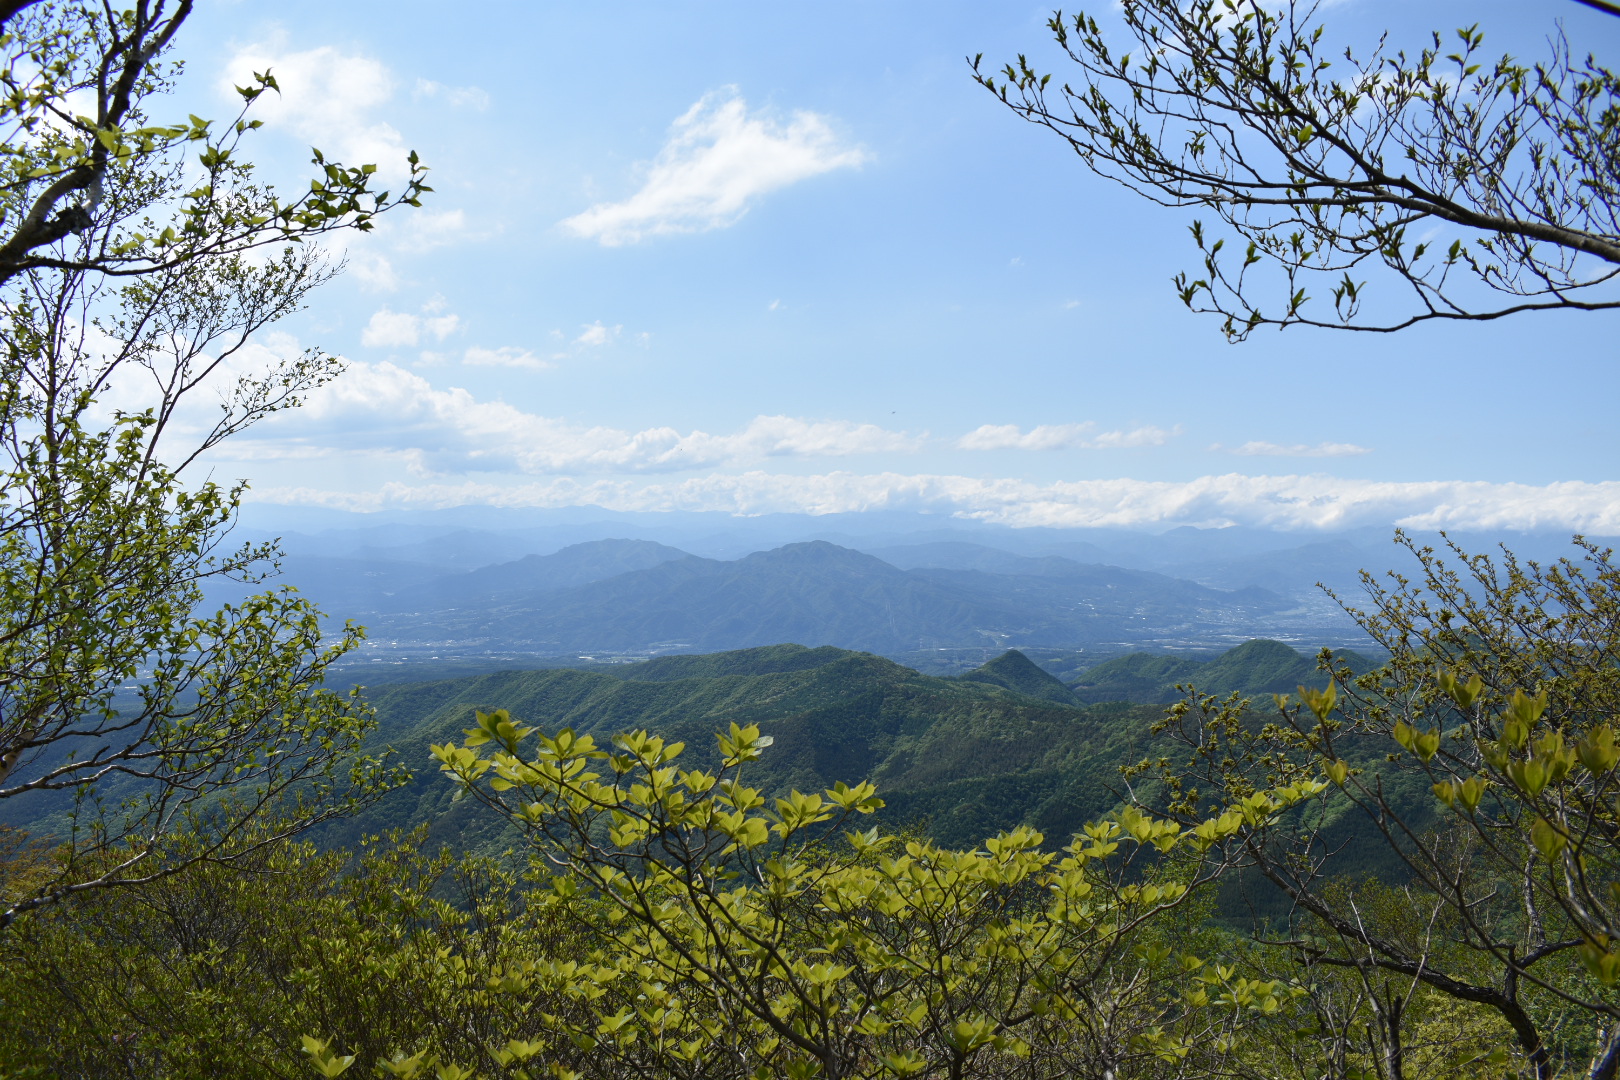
1059, 437
719, 160
381, 409
1280, 502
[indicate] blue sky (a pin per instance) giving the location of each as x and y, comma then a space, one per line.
788, 257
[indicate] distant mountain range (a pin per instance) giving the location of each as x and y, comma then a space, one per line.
635, 596
530, 576
471, 588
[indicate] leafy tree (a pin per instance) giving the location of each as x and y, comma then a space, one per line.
743, 941
216, 970
108, 192
1481, 186
125, 711
1482, 759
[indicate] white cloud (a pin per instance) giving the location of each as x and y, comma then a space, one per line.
328, 98
1060, 437
1269, 449
375, 272
1286, 502
424, 230
719, 160
441, 326
785, 436
395, 329
597, 334
388, 329
505, 356
134, 388
383, 410
1142, 436
472, 97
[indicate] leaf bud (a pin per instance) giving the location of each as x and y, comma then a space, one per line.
1597, 751
1547, 838
1529, 777
1321, 701
1464, 694
1600, 960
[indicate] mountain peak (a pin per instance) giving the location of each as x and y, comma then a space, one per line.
818, 553
1014, 671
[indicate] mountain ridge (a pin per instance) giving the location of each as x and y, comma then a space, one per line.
818, 593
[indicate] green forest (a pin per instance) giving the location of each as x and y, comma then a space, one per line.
221, 858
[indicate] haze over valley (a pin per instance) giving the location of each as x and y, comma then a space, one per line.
479, 589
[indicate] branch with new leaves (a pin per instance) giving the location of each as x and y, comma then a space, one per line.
1369, 189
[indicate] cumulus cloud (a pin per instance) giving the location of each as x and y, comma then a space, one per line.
328, 98
375, 272
1270, 449
719, 160
395, 329
1286, 502
1060, 437
133, 388
385, 410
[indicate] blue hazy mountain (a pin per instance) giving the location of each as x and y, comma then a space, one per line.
813, 594
358, 580
961, 555
575, 565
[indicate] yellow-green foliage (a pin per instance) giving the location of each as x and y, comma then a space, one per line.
746, 940
216, 972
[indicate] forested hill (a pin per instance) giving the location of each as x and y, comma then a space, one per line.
963, 757
1253, 668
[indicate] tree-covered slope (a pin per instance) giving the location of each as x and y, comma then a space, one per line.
1014, 671
932, 744
963, 757
1254, 668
